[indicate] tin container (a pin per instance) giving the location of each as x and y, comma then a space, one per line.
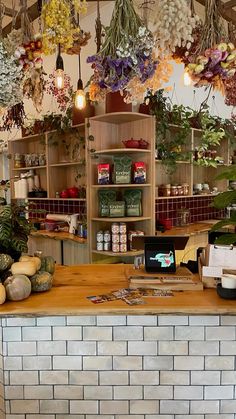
123, 238
115, 247
99, 246
115, 238
115, 228
123, 247
100, 236
107, 236
107, 246
123, 228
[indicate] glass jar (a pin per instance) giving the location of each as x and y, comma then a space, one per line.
183, 217
180, 190
185, 187
174, 190
19, 161
164, 190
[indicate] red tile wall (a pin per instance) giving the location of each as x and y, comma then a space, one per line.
199, 207
59, 206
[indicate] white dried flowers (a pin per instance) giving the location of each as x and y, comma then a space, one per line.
10, 79
173, 26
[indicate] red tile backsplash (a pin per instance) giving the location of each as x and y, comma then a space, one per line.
199, 207
57, 207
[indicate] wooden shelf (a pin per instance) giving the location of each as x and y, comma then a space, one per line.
58, 199
120, 117
177, 161
121, 150
185, 196
123, 185
120, 219
131, 253
29, 168
74, 163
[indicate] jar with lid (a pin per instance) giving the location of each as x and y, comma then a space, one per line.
183, 217
19, 161
174, 190
180, 190
185, 187
164, 190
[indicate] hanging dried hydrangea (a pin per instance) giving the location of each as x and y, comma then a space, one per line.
10, 79
173, 26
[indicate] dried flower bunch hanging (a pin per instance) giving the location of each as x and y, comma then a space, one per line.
10, 80
58, 27
127, 52
62, 96
214, 59
173, 26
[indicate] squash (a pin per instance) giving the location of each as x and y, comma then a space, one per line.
2, 294
48, 264
4, 275
5, 262
18, 287
34, 259
42, 281
24, 268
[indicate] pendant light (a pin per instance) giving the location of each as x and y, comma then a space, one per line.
59, 73
80, 100
187, 79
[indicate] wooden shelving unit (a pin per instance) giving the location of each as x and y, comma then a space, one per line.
62, 163
188, 172
108, 131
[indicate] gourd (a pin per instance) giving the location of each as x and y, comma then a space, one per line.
41, 281
24, 268
34, 259
48, 264
5, 261
2, 294
18, 287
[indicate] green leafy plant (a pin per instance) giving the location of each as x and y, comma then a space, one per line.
211, 138
171, 141
223, 200
14, 230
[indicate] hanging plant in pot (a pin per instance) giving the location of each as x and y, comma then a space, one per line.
126, 54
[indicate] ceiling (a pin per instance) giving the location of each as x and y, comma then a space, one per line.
228, 8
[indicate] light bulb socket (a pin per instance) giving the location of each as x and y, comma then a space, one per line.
59, 63
80, 85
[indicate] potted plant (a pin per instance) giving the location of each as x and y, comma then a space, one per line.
14, 230
222, 201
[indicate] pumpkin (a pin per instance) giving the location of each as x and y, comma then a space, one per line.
42, 281
24, 268
2, 294
34, 259
5, 261
48, 264
18, 287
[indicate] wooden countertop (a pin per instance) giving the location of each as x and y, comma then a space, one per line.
189, 230
61, 235
73, 284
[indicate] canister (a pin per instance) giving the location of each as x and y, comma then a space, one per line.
107, 236
115, 247
100, 236
115, 238
99, 246
115, 228
123, 247
123, 228
107, 246
123, 238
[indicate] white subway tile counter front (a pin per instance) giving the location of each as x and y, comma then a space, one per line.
119, 364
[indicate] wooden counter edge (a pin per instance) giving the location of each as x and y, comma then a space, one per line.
61, 236
72, 286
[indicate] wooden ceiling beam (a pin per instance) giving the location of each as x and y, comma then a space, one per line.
33, 13
229, 4
227, 14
